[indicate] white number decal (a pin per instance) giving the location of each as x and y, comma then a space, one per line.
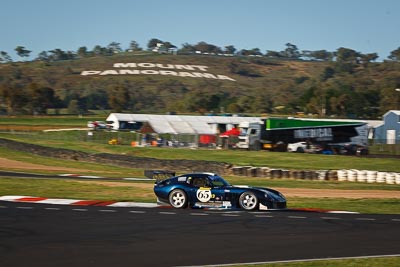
203, 195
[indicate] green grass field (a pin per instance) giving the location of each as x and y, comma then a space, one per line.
77, 140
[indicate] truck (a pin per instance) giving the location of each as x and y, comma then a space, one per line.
276, 133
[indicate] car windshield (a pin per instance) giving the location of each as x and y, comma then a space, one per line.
218, 181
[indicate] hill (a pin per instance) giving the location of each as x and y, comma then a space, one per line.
158, 83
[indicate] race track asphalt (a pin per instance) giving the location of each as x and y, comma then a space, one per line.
61, 235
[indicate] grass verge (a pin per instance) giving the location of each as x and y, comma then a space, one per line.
294, 161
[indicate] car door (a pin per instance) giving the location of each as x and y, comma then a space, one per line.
217, 191
204, 193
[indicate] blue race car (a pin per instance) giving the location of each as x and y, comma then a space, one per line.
208, 190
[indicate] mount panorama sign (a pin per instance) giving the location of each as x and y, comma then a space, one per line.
192, 71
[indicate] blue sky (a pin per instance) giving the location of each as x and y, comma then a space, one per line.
367, 26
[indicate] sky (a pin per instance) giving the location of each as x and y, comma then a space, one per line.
367, 26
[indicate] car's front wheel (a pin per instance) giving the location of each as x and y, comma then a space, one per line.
178, 199
248, 201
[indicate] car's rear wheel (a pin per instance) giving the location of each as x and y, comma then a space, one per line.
178, 199
248, 201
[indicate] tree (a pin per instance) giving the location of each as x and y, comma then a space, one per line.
118, 98
101, 51
321, 55
22, 52
273, 54
41, 98
43, 56
327, 73
168, 45
252, 52
230, 49
207, 48
395, 55
134, 46
83, 52
291, 51
347, 55
153, 43
114, 47
187, 48
4, 57
98, 50
367, 58
73, 107
97, 99
15, 98
58, 54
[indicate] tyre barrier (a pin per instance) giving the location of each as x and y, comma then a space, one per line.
342, 175
322, 175
371, 176
361, 176
352, 175
390, 178
381, 177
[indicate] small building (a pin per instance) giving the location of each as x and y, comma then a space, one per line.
389, 131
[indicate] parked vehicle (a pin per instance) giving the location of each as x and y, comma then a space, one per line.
276, 133
299, 147
208, 190
97, 125
349, 149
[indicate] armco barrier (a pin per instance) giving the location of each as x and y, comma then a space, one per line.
361, 176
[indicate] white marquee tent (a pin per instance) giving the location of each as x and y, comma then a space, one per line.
177, 124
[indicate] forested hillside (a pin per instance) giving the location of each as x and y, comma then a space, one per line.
149, 82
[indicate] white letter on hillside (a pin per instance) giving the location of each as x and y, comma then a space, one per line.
146, 65
204, 75
168, 66
90, 72
186, 74
129, 72
202, 68
184, 67
223, 77
109, 72
124, 65
168, 72
149, 72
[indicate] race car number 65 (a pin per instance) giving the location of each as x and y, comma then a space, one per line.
203, 195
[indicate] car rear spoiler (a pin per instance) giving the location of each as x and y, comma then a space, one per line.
158, 175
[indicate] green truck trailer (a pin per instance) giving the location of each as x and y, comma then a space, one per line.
277, 133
